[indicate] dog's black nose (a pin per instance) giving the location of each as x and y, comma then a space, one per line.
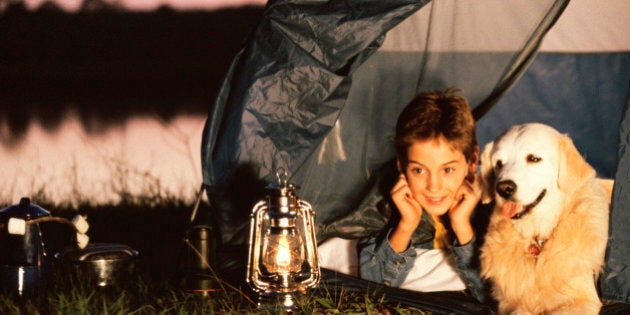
506, 188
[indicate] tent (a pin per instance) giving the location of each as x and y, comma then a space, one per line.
318, 86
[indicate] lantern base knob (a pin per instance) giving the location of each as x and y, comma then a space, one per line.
287, 301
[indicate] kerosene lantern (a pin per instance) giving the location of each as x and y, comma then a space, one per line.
283, 251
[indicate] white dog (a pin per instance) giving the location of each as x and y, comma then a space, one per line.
547, 235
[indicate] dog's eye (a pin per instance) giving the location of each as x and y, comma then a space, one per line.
533, 159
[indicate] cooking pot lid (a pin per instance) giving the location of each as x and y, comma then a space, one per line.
25, 210
97, 251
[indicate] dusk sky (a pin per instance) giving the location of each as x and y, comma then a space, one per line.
144, 5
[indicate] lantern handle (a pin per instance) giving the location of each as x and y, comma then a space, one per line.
282, 176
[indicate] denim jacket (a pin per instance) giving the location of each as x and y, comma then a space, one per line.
380, 263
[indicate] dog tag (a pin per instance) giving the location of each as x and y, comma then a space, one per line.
535, 249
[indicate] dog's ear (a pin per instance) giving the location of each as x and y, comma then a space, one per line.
487, 174
573, 168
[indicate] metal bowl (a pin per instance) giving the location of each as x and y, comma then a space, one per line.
102, 264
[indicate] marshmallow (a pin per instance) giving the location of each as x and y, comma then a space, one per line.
80, 223
16, 226
82, 240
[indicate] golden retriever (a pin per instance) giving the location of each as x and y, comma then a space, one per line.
546, 240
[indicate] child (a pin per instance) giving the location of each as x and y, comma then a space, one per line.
435, 195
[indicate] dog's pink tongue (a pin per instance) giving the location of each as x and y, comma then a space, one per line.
510, 209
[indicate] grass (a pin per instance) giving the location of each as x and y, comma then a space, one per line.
158, 233
70, 295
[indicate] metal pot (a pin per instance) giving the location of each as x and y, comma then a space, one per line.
102, 264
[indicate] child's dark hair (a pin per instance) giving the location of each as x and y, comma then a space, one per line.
432, 114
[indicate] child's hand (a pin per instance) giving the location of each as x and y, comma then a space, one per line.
410, 210
466, 200
410, 215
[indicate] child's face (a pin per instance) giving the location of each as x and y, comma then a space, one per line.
435, 173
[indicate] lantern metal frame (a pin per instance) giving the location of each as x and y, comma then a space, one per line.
282, 212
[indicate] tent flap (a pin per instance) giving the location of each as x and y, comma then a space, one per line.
284, 93
616, 278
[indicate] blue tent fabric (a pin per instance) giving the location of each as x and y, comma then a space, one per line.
616, 278
286, 78
580, 94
